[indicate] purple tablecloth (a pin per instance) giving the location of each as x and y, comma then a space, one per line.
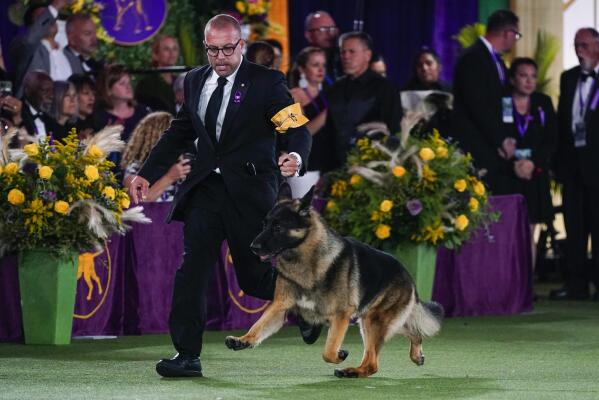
135, 274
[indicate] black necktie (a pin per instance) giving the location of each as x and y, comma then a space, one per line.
214, 107
584, 75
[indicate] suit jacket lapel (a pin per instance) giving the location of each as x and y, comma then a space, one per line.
196, 89
238, 95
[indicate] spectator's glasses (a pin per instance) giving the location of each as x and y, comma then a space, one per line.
324, 29
517, 34
228, 50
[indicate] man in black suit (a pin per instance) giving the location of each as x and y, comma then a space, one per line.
38, 91
482, 102
81, 34
233, 182
578, 163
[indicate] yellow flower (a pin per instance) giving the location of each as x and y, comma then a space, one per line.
355, 179
461, 222
240, 6
11, 168
125, 202
375, 216
109, 192
45, 172
473, 203
91, 172
399, 171
331, 205
61, 207
460, 185
434, 233
16, 197
426, 154
442, 151
479, 188
95, 151
31, 149
386, 205
338, 189
428, 175
383, 231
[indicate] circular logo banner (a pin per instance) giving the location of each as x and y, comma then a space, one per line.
131, 22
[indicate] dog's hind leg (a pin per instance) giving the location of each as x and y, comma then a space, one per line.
416, 354
332, 349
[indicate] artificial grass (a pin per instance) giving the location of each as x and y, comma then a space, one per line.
552, 353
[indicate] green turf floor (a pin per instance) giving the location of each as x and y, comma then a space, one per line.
552, 353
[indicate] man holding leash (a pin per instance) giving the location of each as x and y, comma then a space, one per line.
227, 114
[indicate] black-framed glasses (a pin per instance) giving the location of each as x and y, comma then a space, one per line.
324, 29
517, 34
228, 50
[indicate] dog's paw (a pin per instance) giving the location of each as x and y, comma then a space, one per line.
234, 343
342, 354
346, 373
419, 361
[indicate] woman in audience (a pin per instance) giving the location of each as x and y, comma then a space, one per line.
142, 140
63, 112
261, 53
534, 131
156, 89
306, 83
426, 72
86, 124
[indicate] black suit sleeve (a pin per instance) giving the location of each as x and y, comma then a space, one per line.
545, 151
391, 111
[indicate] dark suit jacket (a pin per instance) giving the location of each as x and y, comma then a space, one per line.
29, 122
570, 161
247, 136
477, 119
76, 64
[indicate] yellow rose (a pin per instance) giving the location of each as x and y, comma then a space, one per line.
399, 171
109, 192
31, 149
91, 172
386, 205
461, 222
94, 151
473, 203
355, 179
331, 205
383, 231
45, 172
125, 202
442, 151
16, 197
11, 168
460, 185
240, 6
426, 153
61, 207
479, 188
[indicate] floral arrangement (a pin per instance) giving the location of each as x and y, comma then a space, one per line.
92, 8
397, 190
255, 14
62, 196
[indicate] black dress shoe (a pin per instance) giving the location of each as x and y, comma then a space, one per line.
310, 333
180, 366
567, 294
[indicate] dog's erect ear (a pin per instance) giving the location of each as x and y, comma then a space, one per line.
306, 201
284, 192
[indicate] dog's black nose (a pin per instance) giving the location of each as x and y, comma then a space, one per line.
255, 247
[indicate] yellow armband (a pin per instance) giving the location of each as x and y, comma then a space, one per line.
289, 117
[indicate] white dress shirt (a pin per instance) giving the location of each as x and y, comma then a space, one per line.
60, 69
40, 128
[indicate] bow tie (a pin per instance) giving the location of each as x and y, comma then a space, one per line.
584, 75
36, 115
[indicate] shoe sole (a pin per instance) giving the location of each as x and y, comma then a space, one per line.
177, 373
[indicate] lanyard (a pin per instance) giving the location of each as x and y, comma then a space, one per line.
584, 103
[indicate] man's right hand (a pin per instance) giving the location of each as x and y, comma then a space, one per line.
138, 189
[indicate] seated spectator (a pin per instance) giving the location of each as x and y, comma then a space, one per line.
261, 53
10, 106
426, 72
142, 141
178, 88
377, 64
64, 110
278, 48
156, 90
38, 90
86, 123
81, 34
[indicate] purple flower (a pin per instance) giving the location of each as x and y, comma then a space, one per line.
48, 195
414, 206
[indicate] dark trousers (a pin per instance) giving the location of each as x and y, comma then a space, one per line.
211, 217
581, 216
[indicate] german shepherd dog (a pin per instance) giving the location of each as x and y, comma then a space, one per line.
327, 278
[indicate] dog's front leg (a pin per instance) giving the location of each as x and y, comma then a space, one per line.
338, 327
270, 322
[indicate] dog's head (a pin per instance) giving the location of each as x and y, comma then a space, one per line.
286, 226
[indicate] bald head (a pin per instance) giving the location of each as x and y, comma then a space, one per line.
222, 22
38, 90
320, 30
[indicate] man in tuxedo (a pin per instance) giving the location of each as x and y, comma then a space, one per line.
482, 102
81, 35
577, 165
38, 91
233, 181
320, 30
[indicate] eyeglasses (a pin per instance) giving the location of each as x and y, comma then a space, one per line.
517, 35
324, 29
212, 51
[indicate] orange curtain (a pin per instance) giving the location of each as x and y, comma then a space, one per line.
278, 16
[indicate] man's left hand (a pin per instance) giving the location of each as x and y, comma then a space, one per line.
288, 164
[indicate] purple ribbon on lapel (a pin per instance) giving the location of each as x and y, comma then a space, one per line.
595, 101
237, 97
542, 116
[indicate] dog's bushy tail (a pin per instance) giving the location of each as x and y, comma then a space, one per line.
425, 319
